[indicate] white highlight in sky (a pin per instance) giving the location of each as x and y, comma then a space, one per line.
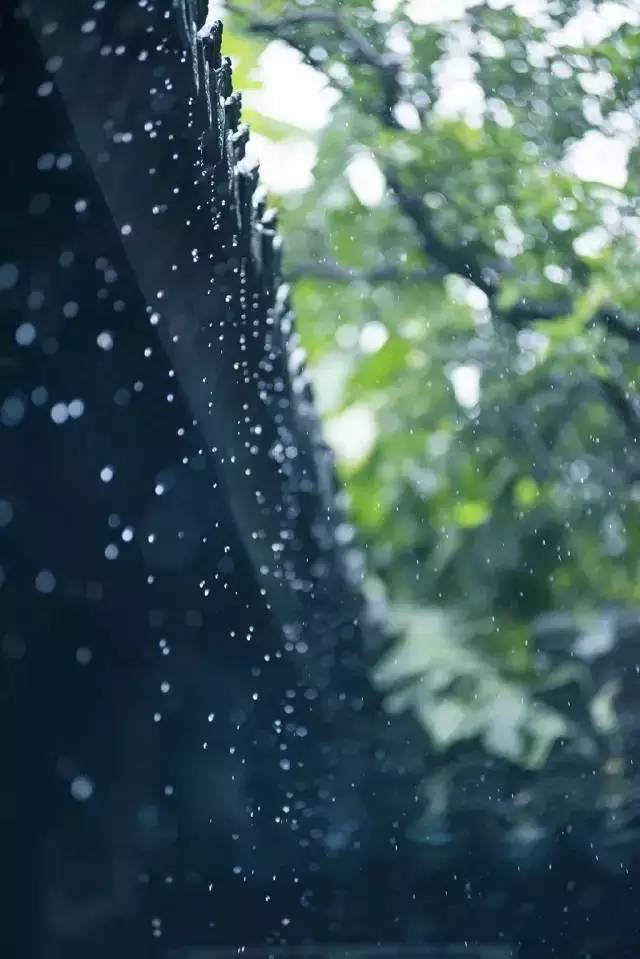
366, 179
434, 11
406, 115
459, 92
592, 24
465, 380
599, 158
285, 165
352, 434
373, 336
290, 90
592, 242
293, 93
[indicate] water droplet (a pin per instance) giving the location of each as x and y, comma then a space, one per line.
45, 581
59, 413
6, 512
25, 334
105, 340
8, 276
82, 788
12, 411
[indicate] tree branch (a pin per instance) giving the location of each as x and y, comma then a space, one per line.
614, 320
625, 405
359, 42
446, 257
527, 312
462, 262
387, 64
610, 317
380, 274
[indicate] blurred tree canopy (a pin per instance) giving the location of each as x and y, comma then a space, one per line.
465, 268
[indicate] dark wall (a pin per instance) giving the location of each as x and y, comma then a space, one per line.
184, 685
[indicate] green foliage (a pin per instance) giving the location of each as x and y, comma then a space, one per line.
502, 477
